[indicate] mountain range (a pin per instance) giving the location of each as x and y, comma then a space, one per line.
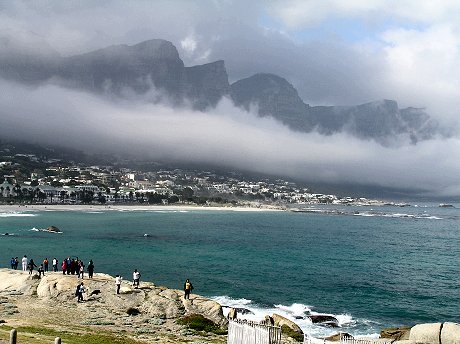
154, 69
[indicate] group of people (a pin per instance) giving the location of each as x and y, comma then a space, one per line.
75, 266
68, 266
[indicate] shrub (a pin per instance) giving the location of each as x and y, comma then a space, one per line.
198, 322
291, 333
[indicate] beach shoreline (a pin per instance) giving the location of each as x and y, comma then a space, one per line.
13, 208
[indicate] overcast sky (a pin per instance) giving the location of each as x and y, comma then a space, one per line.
334, 52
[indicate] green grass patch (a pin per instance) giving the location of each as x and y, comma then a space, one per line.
78, 338
286, 330
197, 322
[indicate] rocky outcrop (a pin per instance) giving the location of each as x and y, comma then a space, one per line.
53, 229
396, 333
279, 320
324, 319
153, 302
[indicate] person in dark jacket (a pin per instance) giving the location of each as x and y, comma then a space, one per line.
90, 269
31, 266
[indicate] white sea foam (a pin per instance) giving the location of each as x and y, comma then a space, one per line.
15, 214
296, 312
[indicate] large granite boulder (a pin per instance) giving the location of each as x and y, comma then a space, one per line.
16, 282
426, 333
57, 286
208, 308
450, 333
279, 320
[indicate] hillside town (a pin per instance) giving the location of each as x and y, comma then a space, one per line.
45, 179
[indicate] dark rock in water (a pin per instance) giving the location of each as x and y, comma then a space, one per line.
327, 320
298, 317
53, 229
338, 337
396, 333
243, 311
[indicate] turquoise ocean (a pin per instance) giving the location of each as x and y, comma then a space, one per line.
370, 267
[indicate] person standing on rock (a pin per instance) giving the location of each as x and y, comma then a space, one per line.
188, 287
24, 263
41, 271
118, 279
31, 266
64, 266
90, 269
12, 262
136, 278
81, 290
55, 263
45, 264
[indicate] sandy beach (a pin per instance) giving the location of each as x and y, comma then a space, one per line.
5, 208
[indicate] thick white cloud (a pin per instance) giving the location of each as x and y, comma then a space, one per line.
301, 13
226, 136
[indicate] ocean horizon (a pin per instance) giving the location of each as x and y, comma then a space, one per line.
369, 267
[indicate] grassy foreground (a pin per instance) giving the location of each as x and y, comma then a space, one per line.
39, 335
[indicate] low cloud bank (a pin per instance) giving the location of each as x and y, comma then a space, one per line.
226, 136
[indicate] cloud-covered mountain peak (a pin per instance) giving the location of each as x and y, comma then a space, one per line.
126, 70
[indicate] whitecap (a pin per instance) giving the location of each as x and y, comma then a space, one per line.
15, 214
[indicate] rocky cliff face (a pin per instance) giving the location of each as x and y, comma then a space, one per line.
273, 96
380, 120
124, 70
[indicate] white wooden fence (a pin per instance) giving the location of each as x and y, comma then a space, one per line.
248, 332
345, 340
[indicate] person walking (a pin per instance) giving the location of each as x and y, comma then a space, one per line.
80, 291
24, 263
136, 278
118, 279
188, 287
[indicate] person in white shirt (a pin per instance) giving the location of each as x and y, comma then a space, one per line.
24, 263
136, 278
118, 279
55, 263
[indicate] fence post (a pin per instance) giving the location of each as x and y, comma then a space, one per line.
57, 340
13, 336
